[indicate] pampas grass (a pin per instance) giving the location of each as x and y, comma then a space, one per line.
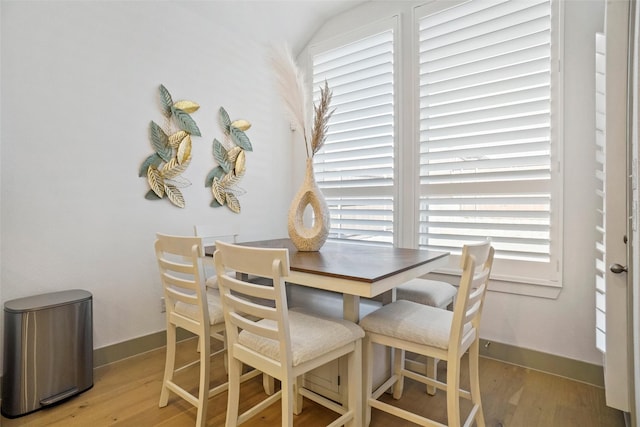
321, 119
291, 83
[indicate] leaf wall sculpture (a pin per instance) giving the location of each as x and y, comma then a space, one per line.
231, 159
172, 150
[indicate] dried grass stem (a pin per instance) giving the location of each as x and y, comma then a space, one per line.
290, 80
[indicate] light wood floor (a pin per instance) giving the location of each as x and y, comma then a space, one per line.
126, 394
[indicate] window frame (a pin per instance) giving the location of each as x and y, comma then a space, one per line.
390, 23
406, 191
509, 282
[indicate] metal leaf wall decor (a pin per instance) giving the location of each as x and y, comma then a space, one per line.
230, 156
172, 150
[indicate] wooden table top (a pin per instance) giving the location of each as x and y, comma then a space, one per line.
351, 261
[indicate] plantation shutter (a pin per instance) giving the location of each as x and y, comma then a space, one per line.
601, 262
485, 132
355, 168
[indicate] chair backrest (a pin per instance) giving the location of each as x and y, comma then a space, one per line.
209, 233
180, 270
476, 262
243, 302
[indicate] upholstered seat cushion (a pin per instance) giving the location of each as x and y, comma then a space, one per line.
212, 281
413, 322
311, 336
213, 302
427, 292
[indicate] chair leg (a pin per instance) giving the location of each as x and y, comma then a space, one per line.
474, 381
297, 397
453, 393
233, 399
432, 372
268, 383
398, 366
169, 364
226, 353
287, 401
222, 337
368, 378
203, 393
354, 399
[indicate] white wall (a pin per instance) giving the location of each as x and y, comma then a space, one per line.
79, 88
564, 326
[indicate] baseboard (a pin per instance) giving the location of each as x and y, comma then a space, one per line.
532, 359
545, 362
113, 353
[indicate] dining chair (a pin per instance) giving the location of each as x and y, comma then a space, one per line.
210, 234
190, 306
284, 344
433, 332
435, 294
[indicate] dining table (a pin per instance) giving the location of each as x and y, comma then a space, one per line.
354, 270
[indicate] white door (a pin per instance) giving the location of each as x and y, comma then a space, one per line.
635, 207
612, 309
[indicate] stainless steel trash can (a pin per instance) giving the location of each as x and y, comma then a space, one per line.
48, 350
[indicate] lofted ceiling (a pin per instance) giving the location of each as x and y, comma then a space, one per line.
307, 17
293, 21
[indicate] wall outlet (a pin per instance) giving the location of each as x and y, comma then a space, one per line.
163, 307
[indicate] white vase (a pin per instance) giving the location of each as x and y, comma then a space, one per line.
312, 238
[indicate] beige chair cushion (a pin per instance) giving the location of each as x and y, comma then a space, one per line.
427, 292
311, 336
212, 282
413, 322
215, 308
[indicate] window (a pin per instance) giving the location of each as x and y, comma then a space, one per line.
355, 168
485, 122
478, 152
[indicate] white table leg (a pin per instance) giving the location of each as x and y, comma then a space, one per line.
351, 312
351, 307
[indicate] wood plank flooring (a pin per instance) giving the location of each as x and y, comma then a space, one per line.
126, 393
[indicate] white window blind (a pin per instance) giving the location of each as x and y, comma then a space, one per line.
355, 169
485, 117
601, 299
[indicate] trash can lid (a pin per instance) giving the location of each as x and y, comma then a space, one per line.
43, 301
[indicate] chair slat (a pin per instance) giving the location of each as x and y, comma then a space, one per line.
180, 282
178, 295
249, 289
239, 304
173, 265
262, 329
